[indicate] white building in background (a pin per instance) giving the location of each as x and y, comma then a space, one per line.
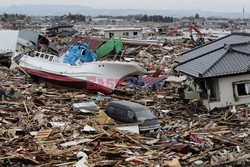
129, 33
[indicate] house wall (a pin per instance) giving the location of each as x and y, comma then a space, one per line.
120, 34
227, 93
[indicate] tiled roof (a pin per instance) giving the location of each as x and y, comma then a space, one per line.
230, 39
221, 60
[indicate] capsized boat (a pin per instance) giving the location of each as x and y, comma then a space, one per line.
97, 76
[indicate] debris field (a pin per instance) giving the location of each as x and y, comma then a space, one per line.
39, 126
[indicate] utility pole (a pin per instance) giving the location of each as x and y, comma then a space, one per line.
243, 14
243, 20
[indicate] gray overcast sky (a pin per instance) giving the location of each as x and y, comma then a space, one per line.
206, 5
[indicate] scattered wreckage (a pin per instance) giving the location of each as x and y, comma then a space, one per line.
57, 127
45, 126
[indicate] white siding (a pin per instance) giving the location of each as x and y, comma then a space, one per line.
8, 40
121, 34
227, 92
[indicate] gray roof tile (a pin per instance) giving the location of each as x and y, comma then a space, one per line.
220, 61
200, 65
232, 63
230, 39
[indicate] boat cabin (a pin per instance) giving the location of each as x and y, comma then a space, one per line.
46, 56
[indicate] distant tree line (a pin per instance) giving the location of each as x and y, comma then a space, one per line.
142, 18
76, 17
82, 18
7, 17
156, 18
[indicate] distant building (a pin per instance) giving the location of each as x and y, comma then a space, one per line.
199, 22
97, 19
184, 22
61, 31
169, 30
130, 33
220, 24
248, 24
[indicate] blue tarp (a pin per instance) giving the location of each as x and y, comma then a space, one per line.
78, 52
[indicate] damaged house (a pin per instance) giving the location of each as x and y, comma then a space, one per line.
221, 70
61, 31
14, 41
38, 41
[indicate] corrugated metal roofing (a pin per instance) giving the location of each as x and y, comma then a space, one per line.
230, 39
29, 35
228, 60
94, 43
8, 40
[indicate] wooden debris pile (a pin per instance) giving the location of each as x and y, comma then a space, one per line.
40, 128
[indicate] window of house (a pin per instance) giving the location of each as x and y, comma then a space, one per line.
242, 88
111, 35
125, 34
135, 33
214, 90
46, 56
37, 54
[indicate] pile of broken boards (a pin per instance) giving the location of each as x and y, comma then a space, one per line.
41, 128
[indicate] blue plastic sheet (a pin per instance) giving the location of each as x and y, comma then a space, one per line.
79, 52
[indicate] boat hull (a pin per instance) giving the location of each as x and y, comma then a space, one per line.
64, 82
95, 76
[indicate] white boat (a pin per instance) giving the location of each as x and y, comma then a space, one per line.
97, 76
